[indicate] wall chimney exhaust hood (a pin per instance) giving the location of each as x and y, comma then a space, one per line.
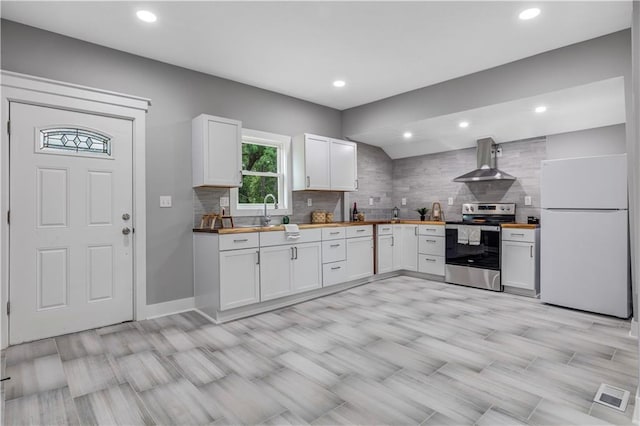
486, 165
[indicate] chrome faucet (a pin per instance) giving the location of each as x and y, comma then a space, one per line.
267, 219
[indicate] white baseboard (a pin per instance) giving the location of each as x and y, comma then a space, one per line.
633, 331
636, 409
170, 307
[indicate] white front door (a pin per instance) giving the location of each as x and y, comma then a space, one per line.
71, 255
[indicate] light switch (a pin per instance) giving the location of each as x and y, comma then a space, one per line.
370, 201
309, 202
165, 201
450, 201
403, 201
224, 201
527, 200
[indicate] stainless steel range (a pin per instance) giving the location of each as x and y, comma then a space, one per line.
473, 245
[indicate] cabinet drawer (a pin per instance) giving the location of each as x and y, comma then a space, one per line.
436, 230
385, 229
359, 231
333, 233
276, 238
239, 241
334, 251
431, 264
528, 235
334, 273
431, 245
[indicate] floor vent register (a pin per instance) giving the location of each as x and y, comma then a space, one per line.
612, 397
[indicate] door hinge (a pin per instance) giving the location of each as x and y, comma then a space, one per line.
8, 308
9, 127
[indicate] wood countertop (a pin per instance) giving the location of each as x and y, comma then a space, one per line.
243, 230
520, 225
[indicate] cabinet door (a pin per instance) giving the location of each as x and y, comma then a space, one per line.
307, 267
359, 258
316, 152
217, 151
239, 278
275, 272
397, 247
409, 248
344, 165
518, 264
385, 253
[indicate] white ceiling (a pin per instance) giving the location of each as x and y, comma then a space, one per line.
299, 48
577, 108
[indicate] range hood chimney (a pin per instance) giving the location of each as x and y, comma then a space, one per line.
486, 165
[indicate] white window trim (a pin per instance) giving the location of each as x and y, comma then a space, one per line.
286, 201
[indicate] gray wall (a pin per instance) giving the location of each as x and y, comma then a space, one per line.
178, 95
581, 63
601, 141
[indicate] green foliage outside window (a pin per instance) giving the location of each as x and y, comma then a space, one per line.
262, 162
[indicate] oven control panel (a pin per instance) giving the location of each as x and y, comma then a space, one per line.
489, 208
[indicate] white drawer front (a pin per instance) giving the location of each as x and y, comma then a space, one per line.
276, 238
359, 231
436, 230
239, 241
385, 229
528, 235
431, 264
334, 273
333, 233
431, 245
334, 251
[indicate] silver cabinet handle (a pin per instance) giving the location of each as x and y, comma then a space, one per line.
243, 240
308, 181
431, 241
520, 235
393, 241
386, 229
334, 233
335, 267
258, 257
126, 231
530, 251
429, 260
356, 183
360, 230
415, 230
126, 216
296, 252
430, 229
292, 254
334, 245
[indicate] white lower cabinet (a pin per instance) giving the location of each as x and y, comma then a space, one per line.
359, 258
431, 249
385, 253
239, 278
408, 247
289, 269
520, 269
334, 273
429, 264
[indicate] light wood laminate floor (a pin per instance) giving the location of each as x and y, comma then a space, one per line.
397, 351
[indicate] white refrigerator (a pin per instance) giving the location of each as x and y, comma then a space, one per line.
584, 260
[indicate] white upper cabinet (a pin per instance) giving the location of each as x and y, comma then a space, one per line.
344, 165
322, 163
216, 151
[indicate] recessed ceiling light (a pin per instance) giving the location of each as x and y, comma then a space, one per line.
339, 83
407, 135
529, 13
146, 16
541, 109
463, 124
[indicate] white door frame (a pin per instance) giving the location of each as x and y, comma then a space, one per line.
15, 87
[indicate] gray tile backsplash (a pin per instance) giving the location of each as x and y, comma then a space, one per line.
421, 180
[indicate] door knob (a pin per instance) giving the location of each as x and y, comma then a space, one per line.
126, 216
126, 231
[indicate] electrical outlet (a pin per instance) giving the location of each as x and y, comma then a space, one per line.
499, 152
403, 201
309, 202
224, 201
527, 200
450, 201
370, 201
165, 201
